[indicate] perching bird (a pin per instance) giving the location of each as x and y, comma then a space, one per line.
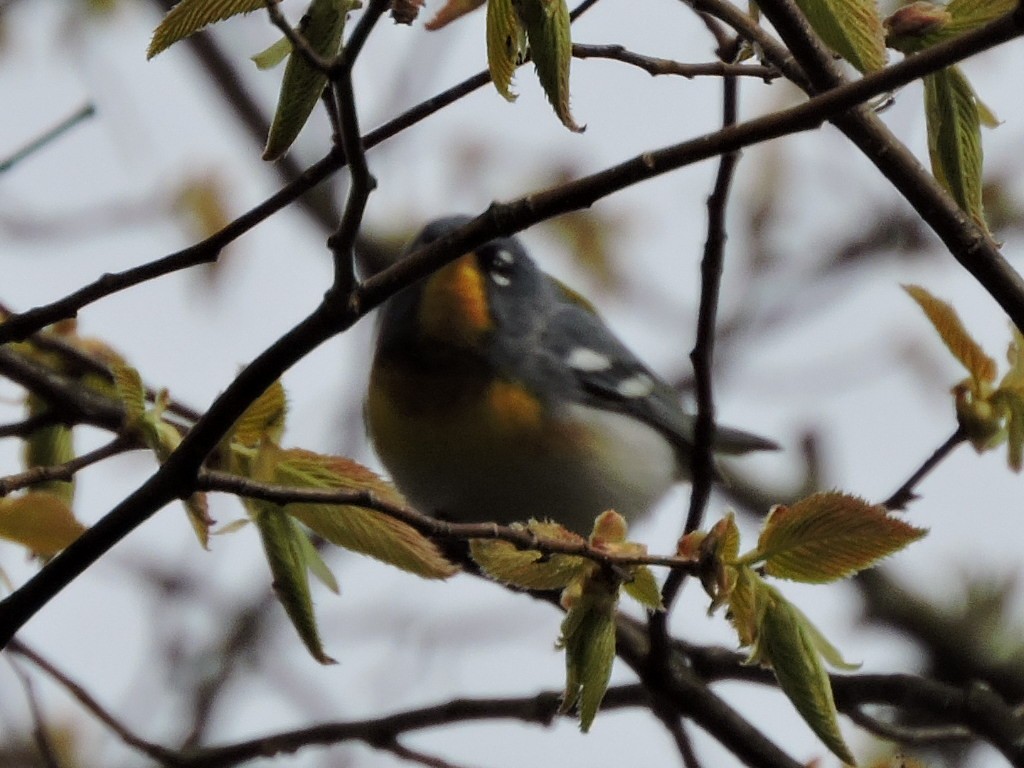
498, 394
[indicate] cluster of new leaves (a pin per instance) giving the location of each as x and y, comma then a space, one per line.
953, 111
988, 413
590, 596
515, 29
821, 539
304, 81
41, 518
252, 450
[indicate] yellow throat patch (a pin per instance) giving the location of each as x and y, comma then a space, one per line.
454, 308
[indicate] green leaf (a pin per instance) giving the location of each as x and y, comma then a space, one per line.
198, 511
316, 565
588, 637
787, 644
506, 42
963, 16
946, 321
526, 569
1011, 402
829, 536
852, 28
262, 421
746, 602
273, 54
130, 391
954, 138
547, 29
356, 528
287, 556
190, 16
322, 27
49, 446
39, 520
644, 588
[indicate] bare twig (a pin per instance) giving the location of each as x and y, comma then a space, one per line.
67, 470
80, 115
909, 734
397, 749
905, 493
342, 241
656, 66
154, 751
380, 732
47, 753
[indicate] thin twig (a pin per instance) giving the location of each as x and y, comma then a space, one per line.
702, 459
905, 493
27, 426
909, 734
217, 481
47, 753
342, 241
67, 470
80, 115
656, 66
702, 356
154, 751
397, 749
380, 732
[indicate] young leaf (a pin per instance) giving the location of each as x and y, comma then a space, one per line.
526, 569
287, 556
130, 391
263, 420
273, 54
963, 16
40, 521
547, 28
189, 16
852, 28
588, 637
506, 41
353, 527
452, 10
746, 604
787, 645
954, 138
952, 332
316, 565
828, 536
303, 83
644, 588
198, 510
48, 446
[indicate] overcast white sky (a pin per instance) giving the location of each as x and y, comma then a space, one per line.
847, 371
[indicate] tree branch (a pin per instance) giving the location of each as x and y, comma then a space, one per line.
210, 480
942, 213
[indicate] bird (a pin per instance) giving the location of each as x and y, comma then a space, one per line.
498, 394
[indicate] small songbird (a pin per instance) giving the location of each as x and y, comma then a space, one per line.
498, 394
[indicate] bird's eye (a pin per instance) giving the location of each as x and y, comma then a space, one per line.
501, 266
